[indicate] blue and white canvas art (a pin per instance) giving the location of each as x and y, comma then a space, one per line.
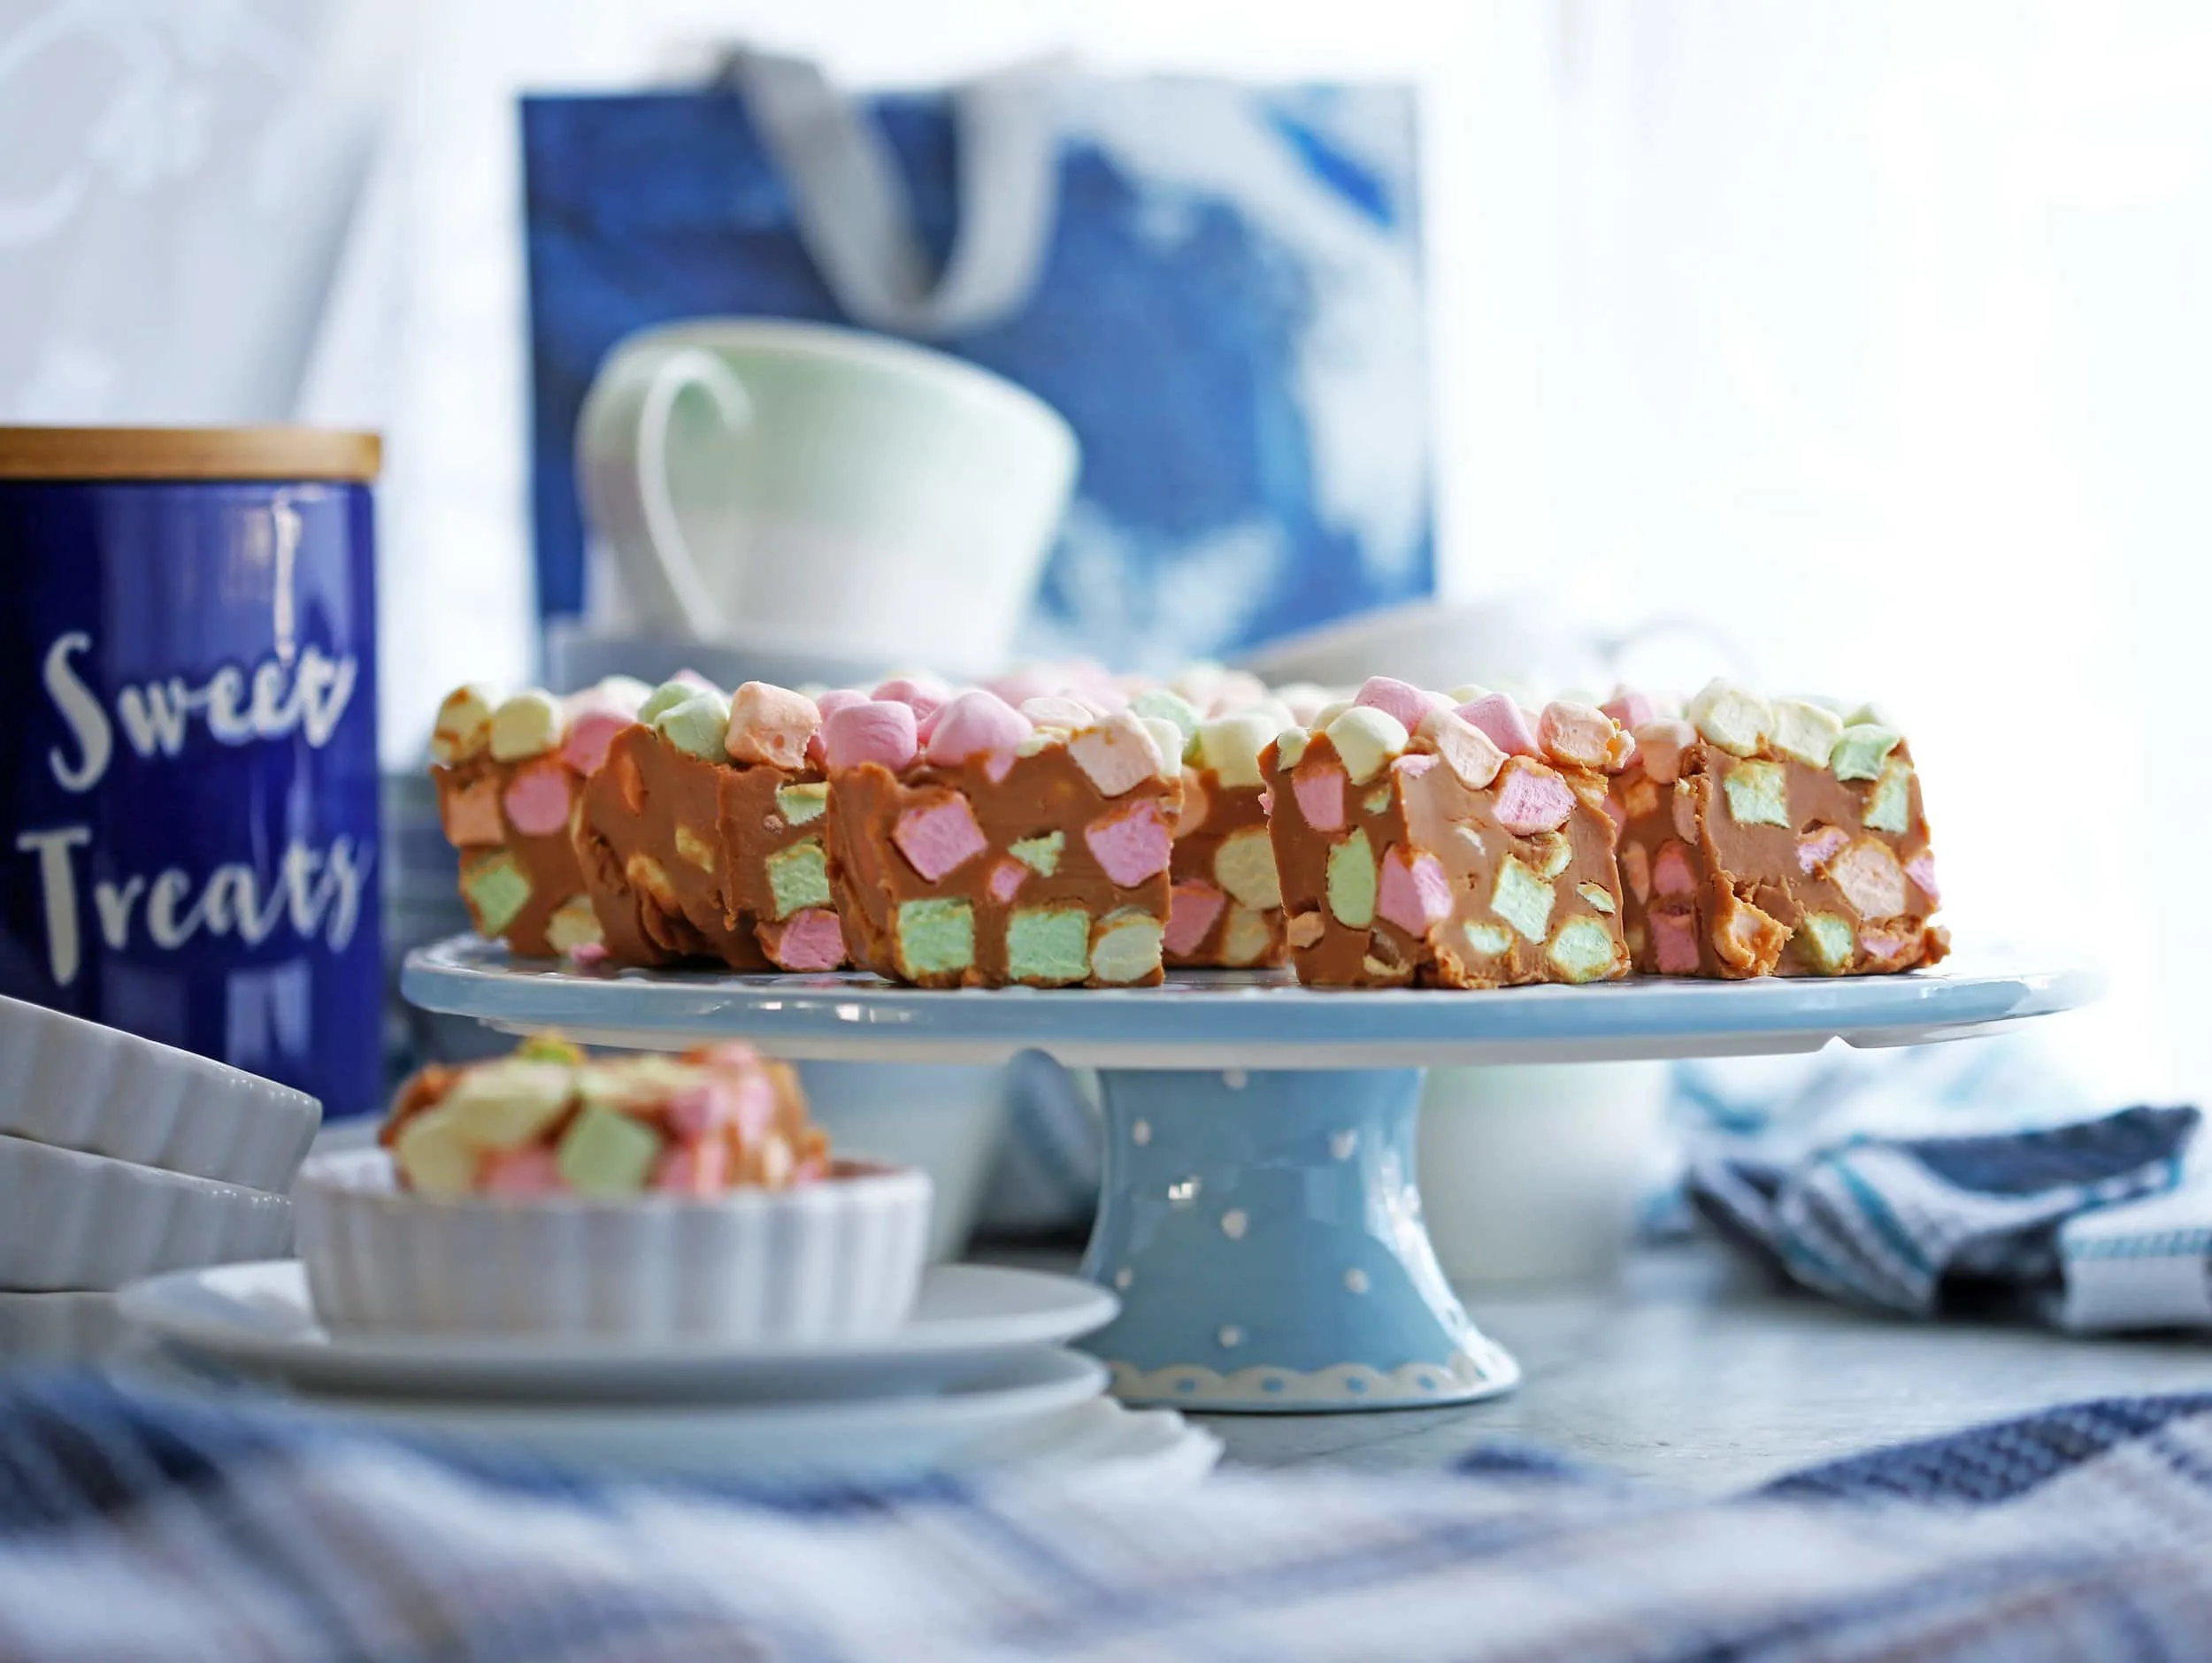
1229, 313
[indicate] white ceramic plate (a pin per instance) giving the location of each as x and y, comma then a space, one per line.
968, 1319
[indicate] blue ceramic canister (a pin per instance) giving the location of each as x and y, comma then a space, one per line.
187, 753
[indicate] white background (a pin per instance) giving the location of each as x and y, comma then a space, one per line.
1876, 334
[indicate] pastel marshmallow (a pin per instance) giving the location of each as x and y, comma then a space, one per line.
1473, 755
539, 797
1131, 843
1006, 879
1192, 908
977, 723
923, 697
1582, 736
1231, 746
1116, 753
593, 723
1416, 891
1244, 865
939, 837
1674, 939
1367, 740
1660, 744
463, 727
1319, 789
1804, 732
528, 724
1921, 869
1731, 717
1670, 873
1503, 723
771, 725
1058, 710
670, 693
810, 939
1630, 708
1168, 740
1400, 700
697, 727
521, 1172
1818, 847
1168, 707
879, 731
1861, 750
1532, 799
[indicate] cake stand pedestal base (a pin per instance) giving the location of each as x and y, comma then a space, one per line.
1264, 1233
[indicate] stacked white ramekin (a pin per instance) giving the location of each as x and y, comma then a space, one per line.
121, 1159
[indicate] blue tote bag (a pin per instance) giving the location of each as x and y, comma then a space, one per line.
1218, 285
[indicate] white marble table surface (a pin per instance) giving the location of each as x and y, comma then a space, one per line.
1696, 1373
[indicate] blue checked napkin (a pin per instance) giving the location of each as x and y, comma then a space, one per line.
2088, 1225
132, 1528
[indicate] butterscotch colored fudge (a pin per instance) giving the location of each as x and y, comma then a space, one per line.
1766, 839
974, 844
509, 774
1425, 843
703, 835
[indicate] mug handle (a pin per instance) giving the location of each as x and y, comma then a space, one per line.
622, 470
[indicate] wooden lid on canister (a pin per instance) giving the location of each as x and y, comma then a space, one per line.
187, 453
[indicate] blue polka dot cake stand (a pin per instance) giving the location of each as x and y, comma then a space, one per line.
1260, 1219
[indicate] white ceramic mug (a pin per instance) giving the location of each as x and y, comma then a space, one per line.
819, 489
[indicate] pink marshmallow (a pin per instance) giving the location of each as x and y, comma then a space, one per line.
1661, 742
921, 697
940, 837
1675, 936
1504, 723
1006, 880
1192, 908
1399, 699
587, 954
1413, 764
1816, 849
1116, 755
807, 940
532, 1170
975, 724
696, 1168
839, 699
771, 724
591, 730
878, 731
1887, 945
1670, 873
1131, 843
699, 1110
1630, 708
1533, 800
1921, 869
538, 798
1579, 735
1416, 891
997, 765
1320, 793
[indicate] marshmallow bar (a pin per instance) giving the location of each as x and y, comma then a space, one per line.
975, 844
702, 836
550, 1119
1427, 844
508, 774
1783, 838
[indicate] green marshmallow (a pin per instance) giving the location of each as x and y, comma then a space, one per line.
1352, 880
936, 936
1048, 944
667, 697
798, 877
1758, 794
607, 1154
1167, 707
1581, 950
803, 804
1377, 801
1829, 942
1864, 748
496, 888
1489, 940
698, 726
1041, 855
1889, 806
1127, 948
1522, 900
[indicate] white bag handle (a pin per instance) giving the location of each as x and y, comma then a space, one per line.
853, 215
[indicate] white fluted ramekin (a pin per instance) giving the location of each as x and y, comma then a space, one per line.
77, 1085
71, 1221
840, 1259
59, 1328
